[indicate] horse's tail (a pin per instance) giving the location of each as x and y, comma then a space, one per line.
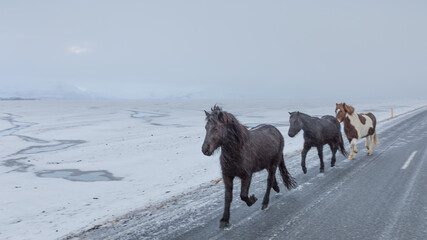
341, 146
288, 180
375, 139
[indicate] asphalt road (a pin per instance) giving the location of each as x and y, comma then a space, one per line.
383, 196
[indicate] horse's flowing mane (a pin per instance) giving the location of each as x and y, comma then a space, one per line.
346, 108
349, 109
235, 130
303, 114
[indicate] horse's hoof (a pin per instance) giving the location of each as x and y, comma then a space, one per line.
350, 157
304, 169
224, 224
264, 206
356, 151
253, 199
322, 170
369, 153
276, 188
332, 164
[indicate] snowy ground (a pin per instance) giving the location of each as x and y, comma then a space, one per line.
69, 165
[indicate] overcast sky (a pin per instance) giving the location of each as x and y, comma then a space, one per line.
216, 49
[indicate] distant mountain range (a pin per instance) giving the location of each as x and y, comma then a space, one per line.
57, 91
69, 91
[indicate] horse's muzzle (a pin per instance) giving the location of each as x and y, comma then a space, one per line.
206, 151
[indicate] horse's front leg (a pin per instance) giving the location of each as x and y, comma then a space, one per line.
270, 182
246, 182
367, 142
228, 183
320, 153
303, 156
371, 144
352, 148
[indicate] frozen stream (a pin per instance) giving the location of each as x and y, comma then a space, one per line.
22, 164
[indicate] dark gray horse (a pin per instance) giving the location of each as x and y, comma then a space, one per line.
244, 152
317, 132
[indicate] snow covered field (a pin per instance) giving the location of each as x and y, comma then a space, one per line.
67, 165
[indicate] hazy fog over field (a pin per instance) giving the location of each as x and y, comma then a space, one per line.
213, 49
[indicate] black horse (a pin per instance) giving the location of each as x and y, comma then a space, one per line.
317, 132
244, 152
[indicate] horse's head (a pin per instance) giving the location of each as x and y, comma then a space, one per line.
295, 124
341, 111
216, 130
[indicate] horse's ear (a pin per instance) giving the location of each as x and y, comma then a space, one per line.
221, 117
207, 114
290, 113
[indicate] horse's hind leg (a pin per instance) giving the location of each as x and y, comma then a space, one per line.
275, 186
270, 181
246, 182
320, 153
334, 149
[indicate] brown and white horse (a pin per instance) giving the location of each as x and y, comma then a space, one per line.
357, 126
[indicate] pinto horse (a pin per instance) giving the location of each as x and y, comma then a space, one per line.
317, 132
244, 152
357, 126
